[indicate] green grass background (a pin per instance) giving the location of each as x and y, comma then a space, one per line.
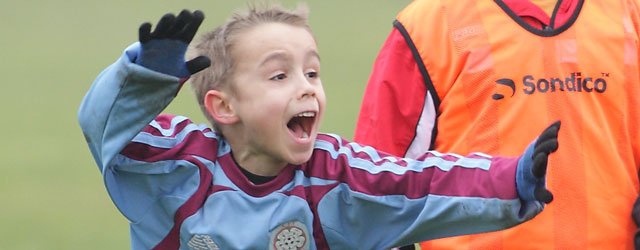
51, 192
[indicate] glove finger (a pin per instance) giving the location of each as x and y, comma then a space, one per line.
144, 33
163, 26
549, 133
543, 195
197, 64
539, 168
181, 21
191, 28
546, 147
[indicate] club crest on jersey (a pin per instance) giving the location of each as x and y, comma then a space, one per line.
202, 242
290, 236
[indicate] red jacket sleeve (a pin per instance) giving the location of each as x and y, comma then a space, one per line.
393, 100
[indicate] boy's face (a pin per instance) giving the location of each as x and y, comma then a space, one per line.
277, 93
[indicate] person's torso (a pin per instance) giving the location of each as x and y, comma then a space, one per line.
282, 219
501, 81
225, 210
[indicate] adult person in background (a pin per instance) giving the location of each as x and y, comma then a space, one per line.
456, 76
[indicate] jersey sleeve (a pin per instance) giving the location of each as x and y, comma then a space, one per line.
397, 110
123, 99
144, 157
388, 201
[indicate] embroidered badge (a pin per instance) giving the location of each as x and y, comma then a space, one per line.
202, 242
290, 236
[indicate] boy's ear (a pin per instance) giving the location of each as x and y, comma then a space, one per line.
218, 106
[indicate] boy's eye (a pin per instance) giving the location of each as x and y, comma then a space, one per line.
278, 77
312, 74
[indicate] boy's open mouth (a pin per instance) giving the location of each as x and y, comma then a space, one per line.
301, 124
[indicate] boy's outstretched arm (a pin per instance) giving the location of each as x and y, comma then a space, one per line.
532, 168
436, 195
130, 93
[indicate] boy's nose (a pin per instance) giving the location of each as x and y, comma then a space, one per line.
307, 88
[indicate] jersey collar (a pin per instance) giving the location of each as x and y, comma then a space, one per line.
535, 20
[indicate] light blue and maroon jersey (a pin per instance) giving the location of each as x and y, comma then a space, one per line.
178, 185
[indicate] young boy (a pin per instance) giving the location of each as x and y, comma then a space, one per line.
265, 177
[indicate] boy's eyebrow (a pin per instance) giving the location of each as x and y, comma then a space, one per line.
280, 55
313, 53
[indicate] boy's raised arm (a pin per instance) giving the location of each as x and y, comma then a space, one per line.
130, 93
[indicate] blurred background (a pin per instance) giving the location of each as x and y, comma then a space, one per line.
51, 192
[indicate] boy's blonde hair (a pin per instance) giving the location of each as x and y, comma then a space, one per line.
218, 44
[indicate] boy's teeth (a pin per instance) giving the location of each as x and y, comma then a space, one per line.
305, 135
306, 114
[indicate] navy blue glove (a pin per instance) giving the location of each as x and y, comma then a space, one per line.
532, 166
163, 50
